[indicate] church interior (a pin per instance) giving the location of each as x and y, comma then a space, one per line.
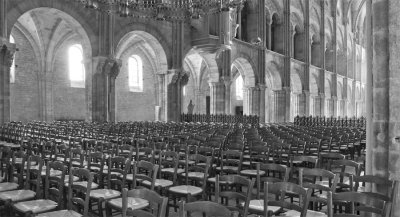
199, 108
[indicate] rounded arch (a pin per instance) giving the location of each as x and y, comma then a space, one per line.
148, 43
80, 15
152, 36
246, 69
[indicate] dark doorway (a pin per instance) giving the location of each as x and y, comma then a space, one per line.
208, 105
239, 110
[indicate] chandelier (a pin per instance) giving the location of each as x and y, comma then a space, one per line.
162, 9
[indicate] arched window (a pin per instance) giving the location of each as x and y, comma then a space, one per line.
12, 69
184, 90
239, 88
76, 66
135, 70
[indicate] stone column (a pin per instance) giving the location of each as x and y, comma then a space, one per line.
179, 79
279, 106
7, 51
334, 106
262, 103
227, 86
295, 105
249, 101
304, 104
217, 92
256, 101
107, 70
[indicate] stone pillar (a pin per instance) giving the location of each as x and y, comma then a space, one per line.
319, 105
279, 112
334, 109
295, 105
7, 51
249, 95
262, 103
227, 86
256, 101
174, 96
304, 104
107, 70
217, 93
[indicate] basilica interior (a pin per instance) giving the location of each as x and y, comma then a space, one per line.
302, 84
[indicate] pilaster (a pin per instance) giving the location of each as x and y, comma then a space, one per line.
279, 102
7, 51
262, 89
106, 71
227, 95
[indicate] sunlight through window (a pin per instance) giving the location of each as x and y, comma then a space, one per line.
76, 66
239, 88
12, 69
135, 70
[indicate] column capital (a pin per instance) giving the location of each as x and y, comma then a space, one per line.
7, 49
306, 92
262, 87
107, 65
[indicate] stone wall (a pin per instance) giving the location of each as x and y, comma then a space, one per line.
136, 106
24, 92
69, 102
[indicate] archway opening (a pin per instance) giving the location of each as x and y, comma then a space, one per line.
243, 68
298, 44
138, 96
53, 77
276, 34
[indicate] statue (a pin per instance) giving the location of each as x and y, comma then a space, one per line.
190, 108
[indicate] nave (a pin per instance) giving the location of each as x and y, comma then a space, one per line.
169, 169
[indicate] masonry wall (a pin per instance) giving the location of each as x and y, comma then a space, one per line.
136, 106
24, 92
69, 102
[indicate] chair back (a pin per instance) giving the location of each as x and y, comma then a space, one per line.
207, 208
158, 204
281, 188
55, 178
233, 190
79, 191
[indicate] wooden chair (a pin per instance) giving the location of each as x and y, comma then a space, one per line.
280, 189
79, 191
207, 208
359, 204
197, 174
298, 162
270, 173
257, 206
168, 171
7, 168
230, 187
230, 162
142, 203
96, 165
8, 198
78, 195
116, 177
378, 187
53, 196
346, 169
144, 174
321, 182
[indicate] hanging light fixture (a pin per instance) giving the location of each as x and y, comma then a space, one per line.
161, 9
